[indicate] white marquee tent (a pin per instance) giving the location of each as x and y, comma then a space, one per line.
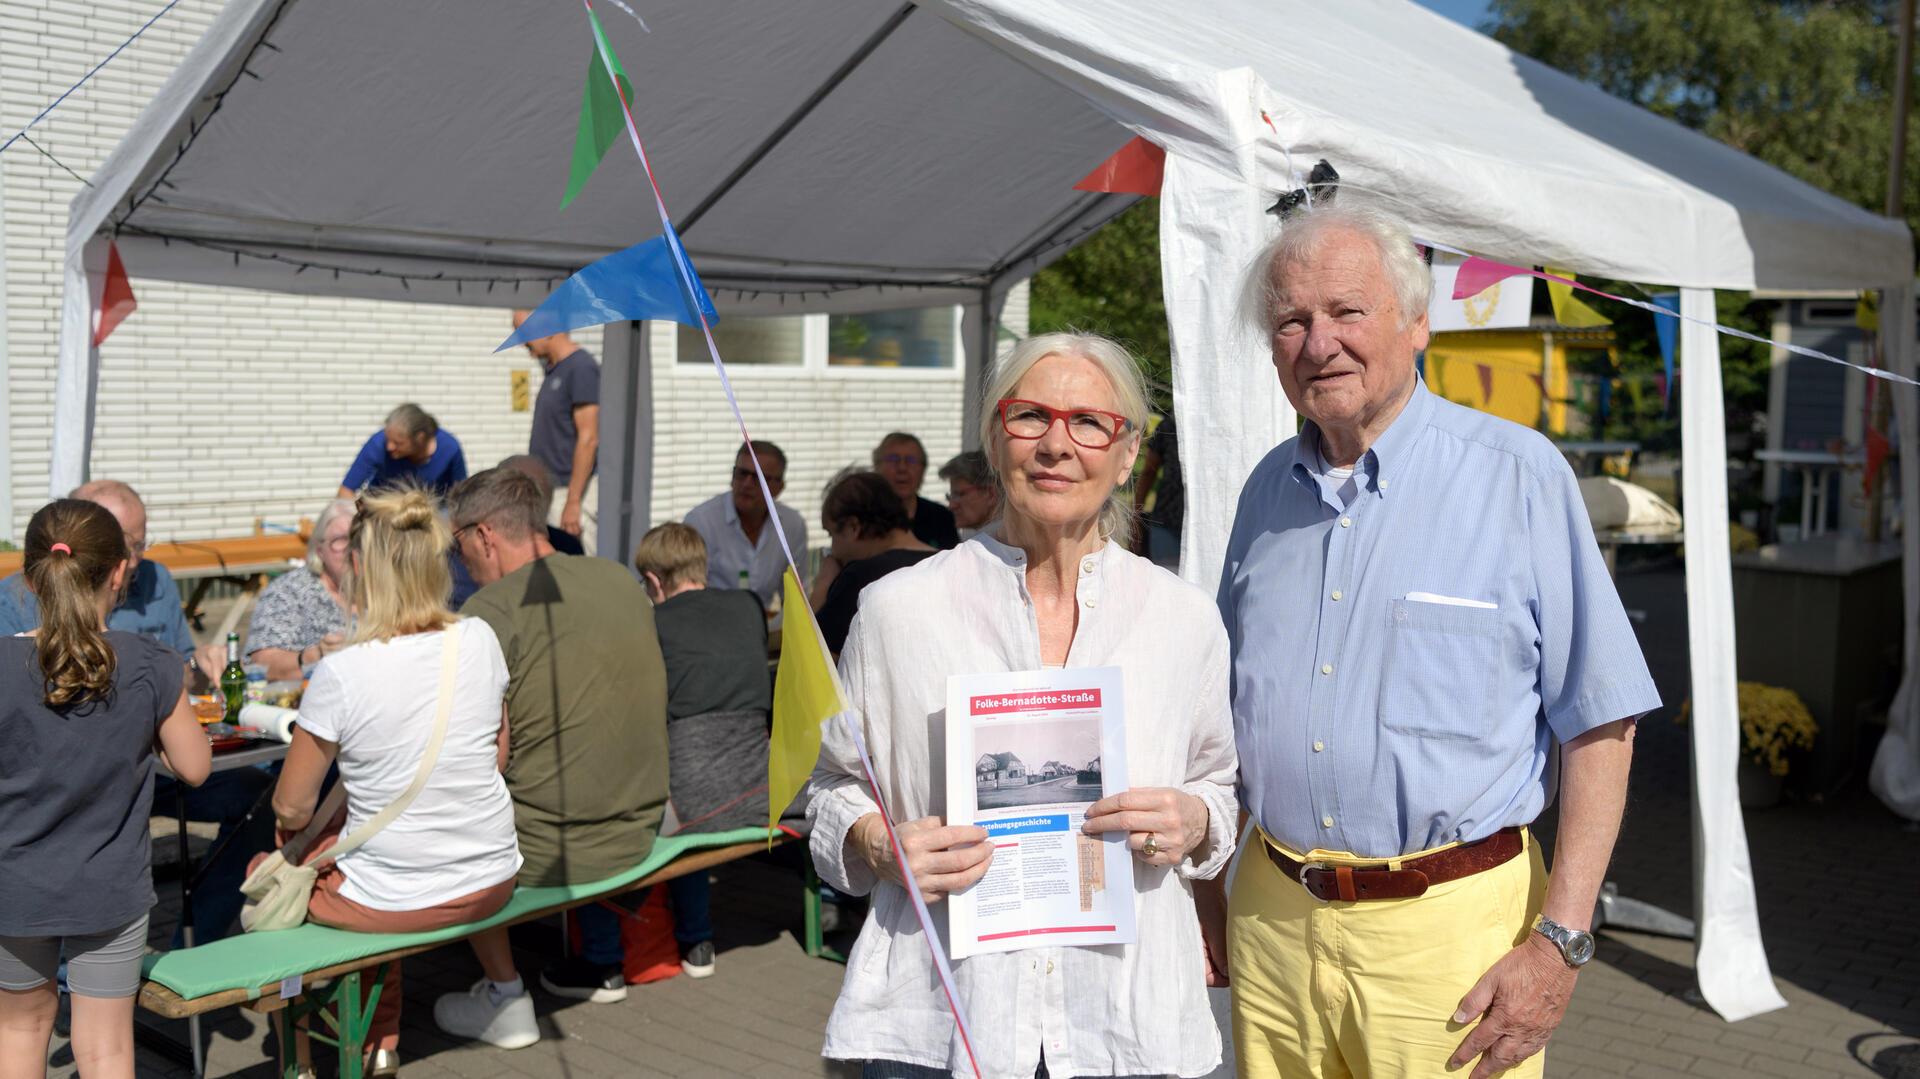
856, 154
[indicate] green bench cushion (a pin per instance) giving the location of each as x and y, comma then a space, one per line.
253, 960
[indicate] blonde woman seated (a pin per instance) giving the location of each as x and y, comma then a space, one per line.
451, 856
1047, 586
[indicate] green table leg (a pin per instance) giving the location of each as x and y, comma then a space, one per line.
815, 938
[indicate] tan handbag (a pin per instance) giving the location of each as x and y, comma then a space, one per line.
279, 888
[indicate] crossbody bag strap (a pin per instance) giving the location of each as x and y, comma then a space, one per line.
449, 653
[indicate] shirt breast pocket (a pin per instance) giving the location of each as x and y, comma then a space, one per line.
1441, 662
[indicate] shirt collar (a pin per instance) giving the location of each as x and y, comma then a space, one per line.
1387, 452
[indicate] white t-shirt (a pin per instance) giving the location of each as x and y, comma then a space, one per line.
377, 701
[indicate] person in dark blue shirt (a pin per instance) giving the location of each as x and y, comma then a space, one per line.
411, 447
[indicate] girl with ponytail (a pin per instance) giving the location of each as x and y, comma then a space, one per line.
83, 712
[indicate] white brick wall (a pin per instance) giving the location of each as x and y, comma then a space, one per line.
223, 405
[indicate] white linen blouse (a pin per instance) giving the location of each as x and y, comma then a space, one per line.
1110, 1010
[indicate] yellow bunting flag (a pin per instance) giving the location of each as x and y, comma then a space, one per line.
1568, 310
805, 694
1866, 313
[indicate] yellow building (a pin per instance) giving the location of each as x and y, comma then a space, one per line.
1520, 374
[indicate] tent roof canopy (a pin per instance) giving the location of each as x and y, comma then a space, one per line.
849, 154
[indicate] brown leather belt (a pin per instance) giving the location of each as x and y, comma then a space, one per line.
1350, 884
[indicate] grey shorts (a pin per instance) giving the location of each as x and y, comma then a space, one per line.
98, 964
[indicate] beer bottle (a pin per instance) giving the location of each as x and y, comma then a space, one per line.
233, 680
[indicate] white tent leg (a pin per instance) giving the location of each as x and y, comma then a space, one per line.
626, 438
77, 375
1895, 776
1226, 397
1729, 961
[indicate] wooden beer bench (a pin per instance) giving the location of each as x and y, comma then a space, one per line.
309, 978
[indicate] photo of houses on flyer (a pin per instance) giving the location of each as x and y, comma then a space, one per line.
1041, 746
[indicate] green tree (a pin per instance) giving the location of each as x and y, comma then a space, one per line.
1110, 285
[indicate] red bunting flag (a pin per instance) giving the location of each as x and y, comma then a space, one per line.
1134, 169
1486, 383
116, 297
1878, 446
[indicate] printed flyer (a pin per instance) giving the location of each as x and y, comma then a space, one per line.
1027, 752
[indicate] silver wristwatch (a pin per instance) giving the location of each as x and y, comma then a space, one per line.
1576, 945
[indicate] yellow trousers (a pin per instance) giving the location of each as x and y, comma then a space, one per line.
1367, 989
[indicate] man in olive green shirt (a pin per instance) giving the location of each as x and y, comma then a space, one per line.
587, 731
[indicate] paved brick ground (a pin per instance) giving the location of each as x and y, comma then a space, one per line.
1844, 945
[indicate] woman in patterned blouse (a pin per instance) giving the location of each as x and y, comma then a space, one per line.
302, 615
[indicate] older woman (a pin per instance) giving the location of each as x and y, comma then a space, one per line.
1047, 586
302, 615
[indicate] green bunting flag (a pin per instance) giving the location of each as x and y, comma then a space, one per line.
600, 119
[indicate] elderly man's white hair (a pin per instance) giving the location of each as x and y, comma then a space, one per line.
1400, 260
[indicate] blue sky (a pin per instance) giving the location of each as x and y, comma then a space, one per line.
1469, 12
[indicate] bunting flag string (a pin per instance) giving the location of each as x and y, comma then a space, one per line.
809, 702
1477, 273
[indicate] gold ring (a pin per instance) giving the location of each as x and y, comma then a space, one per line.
1152, 846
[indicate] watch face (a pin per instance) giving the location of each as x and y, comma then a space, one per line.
1579, 947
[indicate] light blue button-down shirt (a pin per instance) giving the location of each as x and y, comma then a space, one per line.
1403, 665
150, 608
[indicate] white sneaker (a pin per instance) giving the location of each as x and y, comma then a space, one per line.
472, 1014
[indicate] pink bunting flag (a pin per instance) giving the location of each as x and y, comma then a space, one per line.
1476, 275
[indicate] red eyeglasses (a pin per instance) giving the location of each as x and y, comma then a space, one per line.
1094, 428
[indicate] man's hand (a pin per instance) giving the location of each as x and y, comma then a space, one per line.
1210, 905
570, 517
1522, 999
944, 859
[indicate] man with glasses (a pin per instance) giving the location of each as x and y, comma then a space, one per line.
735, 526
902, 459
151, 607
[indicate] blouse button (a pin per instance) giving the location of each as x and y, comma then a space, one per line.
1326, 668
1089, 602
1318, 746
1326, 822
1346, 522
1087, 566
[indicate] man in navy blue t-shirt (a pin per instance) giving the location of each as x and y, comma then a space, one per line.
411, 447
566, 431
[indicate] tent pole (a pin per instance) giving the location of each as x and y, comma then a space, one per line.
793, 120
1896, 201
1730, 962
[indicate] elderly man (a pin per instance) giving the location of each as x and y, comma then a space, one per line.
151, 606
973, 494
411, 448
566, 431
734, 526
902, 459
586, 732
1423, 636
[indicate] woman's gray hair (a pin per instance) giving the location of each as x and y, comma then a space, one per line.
1406, 272
1129, 390
336, 509
414, 420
